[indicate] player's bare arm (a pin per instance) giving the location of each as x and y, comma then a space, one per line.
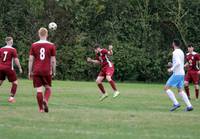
18, 64
110, 51
53, 64
93, 61
198, 63
30, 66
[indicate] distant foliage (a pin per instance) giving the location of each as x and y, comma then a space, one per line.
141, 32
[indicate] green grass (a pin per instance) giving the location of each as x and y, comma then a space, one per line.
140, 112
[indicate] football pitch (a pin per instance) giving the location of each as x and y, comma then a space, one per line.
140, 112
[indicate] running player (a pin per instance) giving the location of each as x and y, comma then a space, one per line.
107, 69
7, 55
192, 61
42, 66
177, 78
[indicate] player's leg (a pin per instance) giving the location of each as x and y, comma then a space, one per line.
37, 83
187, 90
186, 84
46, 81
171, 83
196, 86
109, 71
99, 80
47, 84
185, 99
183, 95
195, 79
39, 97
112, 84
47, 95
11, 75
13, 91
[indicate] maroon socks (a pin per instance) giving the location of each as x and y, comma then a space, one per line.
40, 100
112, 84
47, 94
101, 88
13, 89
187, 91
197, 93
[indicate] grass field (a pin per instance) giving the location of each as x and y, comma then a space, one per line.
140, 112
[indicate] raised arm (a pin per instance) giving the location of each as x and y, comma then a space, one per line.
110, 51
93, 61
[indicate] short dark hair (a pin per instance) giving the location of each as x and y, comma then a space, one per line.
177, 42
190, 45
97, 45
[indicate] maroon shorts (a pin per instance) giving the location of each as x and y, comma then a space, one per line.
9, 73
107, 71
192, 76
39, 80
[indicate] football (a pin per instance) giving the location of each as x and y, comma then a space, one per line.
52, 26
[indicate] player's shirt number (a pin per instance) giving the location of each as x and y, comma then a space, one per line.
5, 55
42, 53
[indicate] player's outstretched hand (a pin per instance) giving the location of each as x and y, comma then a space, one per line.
110, 47
198, 72
169, 64
169, 70
89, 59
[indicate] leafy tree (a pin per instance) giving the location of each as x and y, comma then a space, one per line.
141, 32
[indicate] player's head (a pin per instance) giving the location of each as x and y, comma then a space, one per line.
176, 43
43, 33
97, 48
190, 48
9, 41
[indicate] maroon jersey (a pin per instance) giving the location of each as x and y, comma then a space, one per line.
7, 54
104, 58
42, 52
192, 59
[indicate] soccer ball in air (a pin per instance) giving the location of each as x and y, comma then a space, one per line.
52, 26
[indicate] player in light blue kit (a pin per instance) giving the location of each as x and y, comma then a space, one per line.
177, 78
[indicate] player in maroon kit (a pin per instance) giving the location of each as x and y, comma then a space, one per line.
42, 66
192, 61
7, 55
107, 69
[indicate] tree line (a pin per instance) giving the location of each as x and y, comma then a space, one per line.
141, 32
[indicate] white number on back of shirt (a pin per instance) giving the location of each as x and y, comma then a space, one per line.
5, 55
42, 53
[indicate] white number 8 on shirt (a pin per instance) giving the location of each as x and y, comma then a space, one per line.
42, 53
